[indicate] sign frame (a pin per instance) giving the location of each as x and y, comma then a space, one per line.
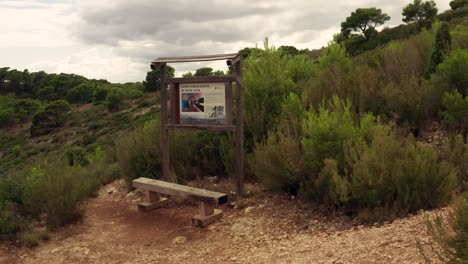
170, 89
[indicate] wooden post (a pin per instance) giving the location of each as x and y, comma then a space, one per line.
173, 103
165, 136
237, 69
228, 100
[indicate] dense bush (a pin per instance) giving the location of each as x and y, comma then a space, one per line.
455, 151
51, 117
57, 190
82, 93
139, 152
455, 111
100, 93
115, 99
452, 238
399, 177
277, 162
7, 117
268, 78
407, 102
451, 74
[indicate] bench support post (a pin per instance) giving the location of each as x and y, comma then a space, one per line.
206, 215
152, 201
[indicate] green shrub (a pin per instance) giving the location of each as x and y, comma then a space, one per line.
7, 117
292, 114
401, 178
83, 93
277, 162
100, 93
328, 77
268, 78
327, 131
54, 115
8, 220
451, 75
76, 156
407, 102
451, 239
455, 111
58, 191
26, 108
455, 151
460, 37
139, 152
115, 99
134, 93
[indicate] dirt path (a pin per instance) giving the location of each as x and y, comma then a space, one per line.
272, 230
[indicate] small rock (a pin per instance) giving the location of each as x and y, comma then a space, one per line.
111, 190
213, 179
179, 240
249, 209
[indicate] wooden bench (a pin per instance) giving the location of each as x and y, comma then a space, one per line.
206, 199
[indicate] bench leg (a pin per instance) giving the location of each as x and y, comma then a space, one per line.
206, 215
152, 201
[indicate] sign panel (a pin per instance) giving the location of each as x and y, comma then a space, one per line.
202, 103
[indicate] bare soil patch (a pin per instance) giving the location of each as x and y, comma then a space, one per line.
264, 228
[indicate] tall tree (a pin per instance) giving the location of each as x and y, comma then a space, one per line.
204, 71
442, 46
153, 78
422, 12
456, 4
364, 21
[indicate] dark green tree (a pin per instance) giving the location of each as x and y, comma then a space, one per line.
364, 21
115, 99
204, 72
289, 50
422, 12
456, 4
54, 115
187, 75
82, 93
442, 46
153, 79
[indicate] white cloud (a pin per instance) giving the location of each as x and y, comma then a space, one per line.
117, 39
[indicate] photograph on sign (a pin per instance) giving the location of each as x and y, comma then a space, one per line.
202, 103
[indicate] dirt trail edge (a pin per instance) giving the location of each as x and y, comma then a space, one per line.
271, 230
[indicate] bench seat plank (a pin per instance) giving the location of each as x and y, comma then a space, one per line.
180, 190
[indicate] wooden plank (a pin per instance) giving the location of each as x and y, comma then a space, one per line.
228, 103
203, 79
165, 136
229, 56
180, 190
203, 127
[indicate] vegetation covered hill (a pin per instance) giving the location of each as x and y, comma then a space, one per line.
341, 129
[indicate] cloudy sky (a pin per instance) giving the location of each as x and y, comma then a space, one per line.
116, 40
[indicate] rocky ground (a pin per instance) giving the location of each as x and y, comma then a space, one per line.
264, 228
